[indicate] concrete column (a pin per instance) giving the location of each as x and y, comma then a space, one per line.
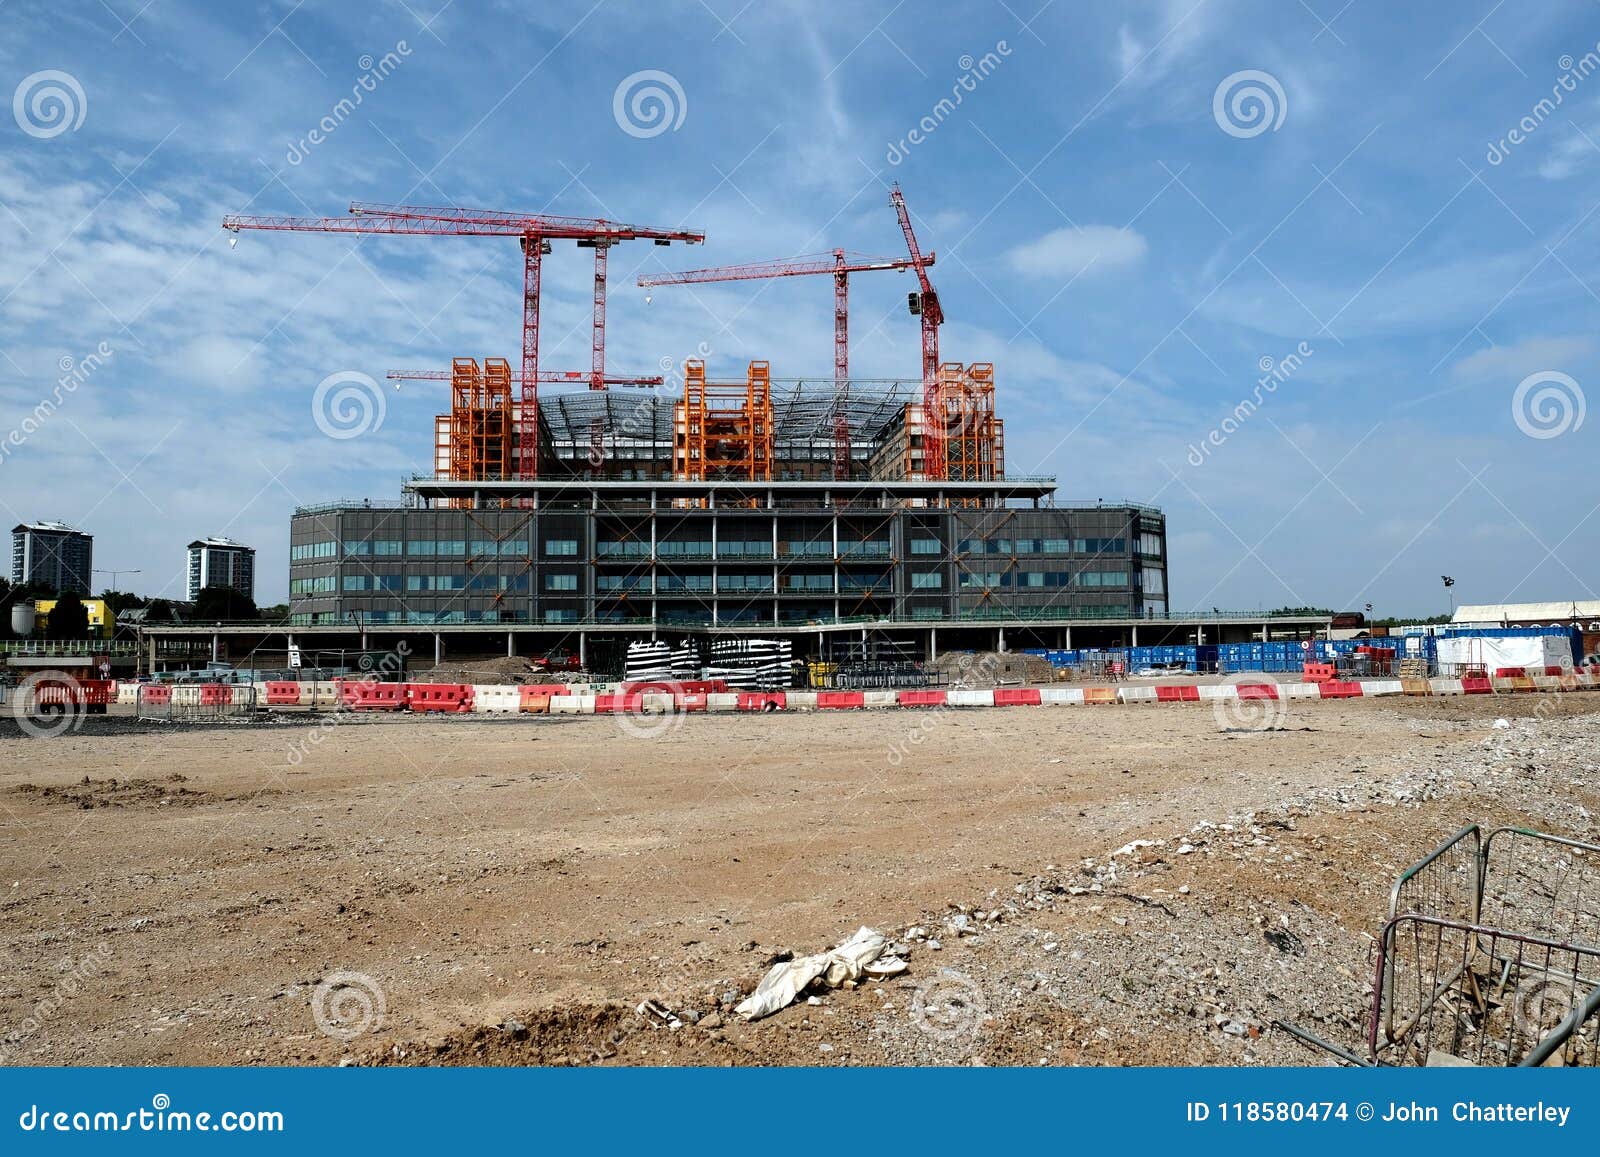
511, 649
1200, 633
583, 649
1068, 647
933, 643
1000, 640
1263, 632
1136, 634
216, 647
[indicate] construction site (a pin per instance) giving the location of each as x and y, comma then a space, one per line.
751, 719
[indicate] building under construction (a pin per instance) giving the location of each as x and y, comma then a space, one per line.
733, 501
755, 428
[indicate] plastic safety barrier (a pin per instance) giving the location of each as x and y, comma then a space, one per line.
451, 698
1219, 691
1320, 672
1061, 696
1256, 690
1334, 689
1476, 687
1446, 686
572, 704
1514, 683
1299, 690
1178, 694
216, 694
1099, 695
839, 700
1016, 697
762, 701
1137, 695
361, 695
690, 701
1416, 687
969, 697
800, 700
128, 692
722, 701
495, 699
1382, 687
282, 694
920, 698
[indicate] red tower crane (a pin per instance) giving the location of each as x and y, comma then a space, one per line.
926, 304
841, 265
534, 232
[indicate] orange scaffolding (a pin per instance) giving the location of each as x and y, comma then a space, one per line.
480, 419
966, 403
723, 430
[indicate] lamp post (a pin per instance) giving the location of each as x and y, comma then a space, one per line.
1448, 583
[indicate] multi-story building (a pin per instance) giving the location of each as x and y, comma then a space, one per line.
221, 562
711, 554
54, 554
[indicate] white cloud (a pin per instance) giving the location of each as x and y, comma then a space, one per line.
1513, 362
1078, 249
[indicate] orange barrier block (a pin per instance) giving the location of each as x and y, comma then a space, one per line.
450, 698
1319, 672
156, 694
1016, 697
840, 699
920, 698
216, 694
1257, 690
1178, 694
359, 695
1099, 694
761, 700
1333, 689
283, 694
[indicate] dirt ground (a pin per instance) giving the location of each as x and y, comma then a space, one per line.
481, 890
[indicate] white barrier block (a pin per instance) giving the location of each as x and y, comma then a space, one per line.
1446, 686
969, 697
127, 692
1382, 687
572, 704
1134, 695
1219, 691
729, 701
794, 700
1298, 691
879, 699
655, 703
1061, 696
495, 699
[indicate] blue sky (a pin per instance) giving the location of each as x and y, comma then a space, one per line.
1386, 215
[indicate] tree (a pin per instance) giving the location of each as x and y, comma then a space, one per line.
216, 604
69, 619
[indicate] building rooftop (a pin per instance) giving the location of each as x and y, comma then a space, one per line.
219, 541
51, 527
